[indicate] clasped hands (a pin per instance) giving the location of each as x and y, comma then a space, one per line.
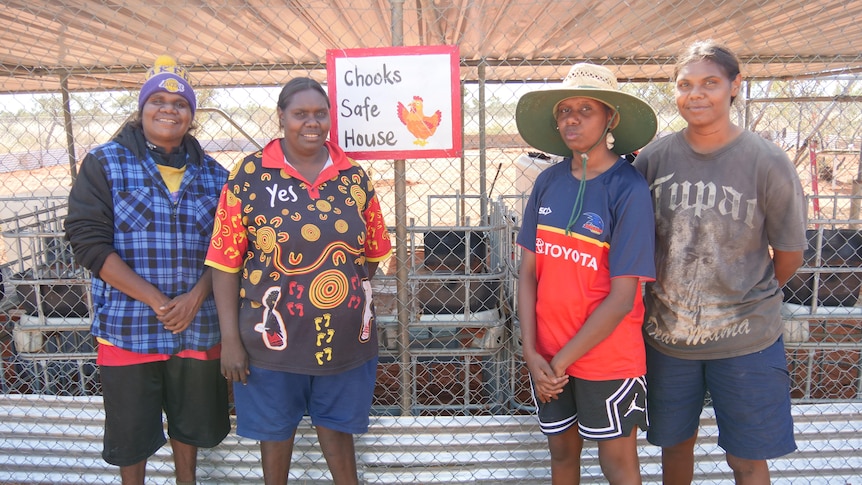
548, 383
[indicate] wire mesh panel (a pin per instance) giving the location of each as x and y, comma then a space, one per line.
452, 402
50, 350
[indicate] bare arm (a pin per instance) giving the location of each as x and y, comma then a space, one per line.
372, 268
175, 314
234, 359
548, 383
600, 324
118, 274
786, 263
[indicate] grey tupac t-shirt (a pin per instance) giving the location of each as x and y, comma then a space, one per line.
717, 214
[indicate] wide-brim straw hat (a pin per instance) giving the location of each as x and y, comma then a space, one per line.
534, 114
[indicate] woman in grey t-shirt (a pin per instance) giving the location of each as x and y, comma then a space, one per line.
730, 231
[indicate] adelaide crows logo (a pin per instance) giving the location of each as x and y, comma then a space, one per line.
594, 223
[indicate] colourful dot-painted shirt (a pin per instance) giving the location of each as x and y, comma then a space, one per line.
301, 248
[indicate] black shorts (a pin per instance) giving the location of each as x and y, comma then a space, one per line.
603, 410
192, 393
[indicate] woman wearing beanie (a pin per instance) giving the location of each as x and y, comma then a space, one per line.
140, 219
587, 239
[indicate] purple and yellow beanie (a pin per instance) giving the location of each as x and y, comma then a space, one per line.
166, 76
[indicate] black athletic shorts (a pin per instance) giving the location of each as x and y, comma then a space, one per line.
192, 394
603, 410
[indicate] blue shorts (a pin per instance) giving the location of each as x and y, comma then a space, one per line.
271, 405
750, 395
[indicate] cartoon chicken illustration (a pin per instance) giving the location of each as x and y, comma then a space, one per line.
421, 126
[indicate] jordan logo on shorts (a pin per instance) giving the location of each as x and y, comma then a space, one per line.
633, 406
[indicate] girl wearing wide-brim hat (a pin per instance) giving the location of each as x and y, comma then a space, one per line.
587, 235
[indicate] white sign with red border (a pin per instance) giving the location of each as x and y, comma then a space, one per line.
395, 102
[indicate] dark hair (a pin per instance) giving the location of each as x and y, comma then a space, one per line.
296, 85
713, 51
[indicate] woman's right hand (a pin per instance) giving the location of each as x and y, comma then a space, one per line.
234, 362
547, 385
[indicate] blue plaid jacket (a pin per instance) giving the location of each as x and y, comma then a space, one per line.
164, 242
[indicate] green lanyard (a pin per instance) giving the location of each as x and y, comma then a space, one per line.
582, 187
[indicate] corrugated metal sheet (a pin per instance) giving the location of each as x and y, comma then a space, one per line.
105, 45
47, 439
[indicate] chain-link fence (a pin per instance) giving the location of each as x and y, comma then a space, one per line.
452, 402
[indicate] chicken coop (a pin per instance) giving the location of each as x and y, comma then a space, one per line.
48, 306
